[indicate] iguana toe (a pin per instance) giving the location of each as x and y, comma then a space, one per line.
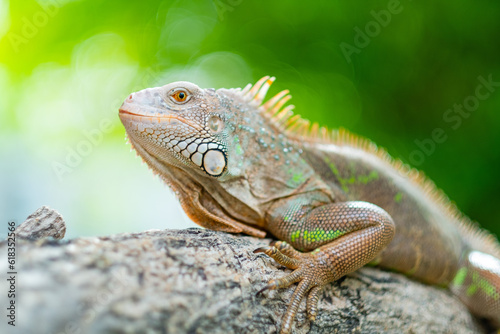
309, 273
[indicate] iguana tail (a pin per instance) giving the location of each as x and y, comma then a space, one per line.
477, 285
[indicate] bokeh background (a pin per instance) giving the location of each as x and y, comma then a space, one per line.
389, 70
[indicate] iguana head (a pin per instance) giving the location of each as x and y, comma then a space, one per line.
204, 131
224, 142
181, 125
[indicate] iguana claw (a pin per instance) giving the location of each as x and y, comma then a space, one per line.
310, 281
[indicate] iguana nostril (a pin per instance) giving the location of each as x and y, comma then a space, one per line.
130, 97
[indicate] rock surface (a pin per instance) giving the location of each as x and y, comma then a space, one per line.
42, 223
201, 281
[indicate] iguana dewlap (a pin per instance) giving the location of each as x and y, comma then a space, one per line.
334, 200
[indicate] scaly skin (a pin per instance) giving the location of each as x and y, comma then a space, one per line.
335, 201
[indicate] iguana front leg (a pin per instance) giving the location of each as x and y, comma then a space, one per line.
342, 236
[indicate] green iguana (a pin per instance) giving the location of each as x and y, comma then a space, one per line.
334, 200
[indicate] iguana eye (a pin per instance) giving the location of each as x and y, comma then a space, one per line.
215, 124
180, 96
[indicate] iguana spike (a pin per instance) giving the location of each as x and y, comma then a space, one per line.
291, 121
323, 133
341, 136
280, 104
284, 114
246, 89
259, 97
304, 127
314, 130
255, 88
268, 106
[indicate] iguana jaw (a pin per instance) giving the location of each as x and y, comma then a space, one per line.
202, 209
133, 115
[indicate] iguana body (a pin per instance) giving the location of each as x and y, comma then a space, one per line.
238, 165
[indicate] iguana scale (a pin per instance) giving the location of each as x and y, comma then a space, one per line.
335, 201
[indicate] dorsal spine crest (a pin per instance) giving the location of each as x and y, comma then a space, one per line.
301, 130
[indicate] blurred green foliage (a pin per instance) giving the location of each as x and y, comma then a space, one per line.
389, 70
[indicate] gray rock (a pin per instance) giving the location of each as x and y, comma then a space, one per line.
201, 281
44, 222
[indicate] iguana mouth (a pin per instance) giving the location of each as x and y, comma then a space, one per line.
158, 118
